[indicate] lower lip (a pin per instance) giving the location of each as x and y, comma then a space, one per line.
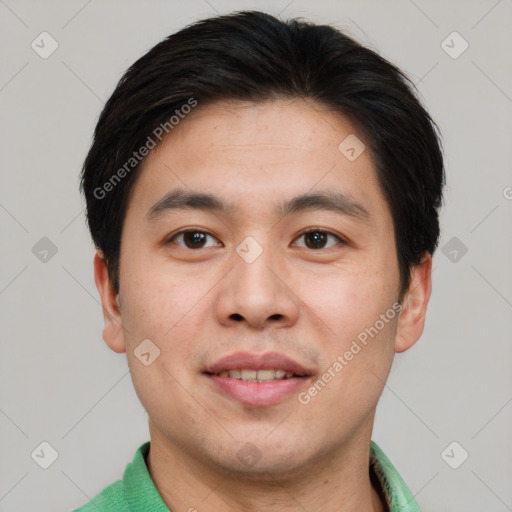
258, 393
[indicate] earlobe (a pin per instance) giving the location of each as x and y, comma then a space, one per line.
412, 317
113, 329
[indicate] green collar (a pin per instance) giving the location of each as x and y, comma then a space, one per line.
138, 492
396, 494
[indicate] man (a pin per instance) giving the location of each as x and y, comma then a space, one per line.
264, 199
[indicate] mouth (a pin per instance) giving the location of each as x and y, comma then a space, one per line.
250, 375
257, 379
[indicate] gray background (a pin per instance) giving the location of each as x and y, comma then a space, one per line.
61, 384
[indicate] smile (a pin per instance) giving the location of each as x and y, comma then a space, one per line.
249, 375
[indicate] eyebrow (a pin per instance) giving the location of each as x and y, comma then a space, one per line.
180, 199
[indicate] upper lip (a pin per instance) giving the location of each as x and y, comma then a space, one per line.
252, 361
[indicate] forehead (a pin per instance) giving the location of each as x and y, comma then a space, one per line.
287, 124
250, 154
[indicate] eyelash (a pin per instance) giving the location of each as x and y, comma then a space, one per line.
309, 230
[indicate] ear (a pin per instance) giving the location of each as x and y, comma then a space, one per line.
412, 317
113, 330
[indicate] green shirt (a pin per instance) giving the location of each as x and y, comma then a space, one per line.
136, 492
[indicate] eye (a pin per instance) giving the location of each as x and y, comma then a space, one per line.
316, 238
193, 239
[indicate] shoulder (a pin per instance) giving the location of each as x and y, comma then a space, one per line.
122, 495
111, 498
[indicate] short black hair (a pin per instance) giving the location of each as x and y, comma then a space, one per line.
253, 56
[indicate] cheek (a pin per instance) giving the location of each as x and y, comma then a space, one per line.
357, 346
159, 300
348, 300
356, 341
165, 310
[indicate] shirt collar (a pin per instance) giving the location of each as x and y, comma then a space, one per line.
397, 495
139, 489
142, 494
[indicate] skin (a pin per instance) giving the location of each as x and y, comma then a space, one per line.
198, 305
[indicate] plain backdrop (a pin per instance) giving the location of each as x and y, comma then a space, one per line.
59, 382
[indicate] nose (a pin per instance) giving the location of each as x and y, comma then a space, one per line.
257, 291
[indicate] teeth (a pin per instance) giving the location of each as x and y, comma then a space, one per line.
251, 375
266, 375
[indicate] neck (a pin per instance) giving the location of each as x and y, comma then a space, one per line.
337, 481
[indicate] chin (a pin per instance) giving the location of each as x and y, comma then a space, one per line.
266, 463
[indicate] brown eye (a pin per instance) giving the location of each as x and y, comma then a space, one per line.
192, 239
317, 239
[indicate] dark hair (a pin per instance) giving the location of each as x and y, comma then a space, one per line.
254, 56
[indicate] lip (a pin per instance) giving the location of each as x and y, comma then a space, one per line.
258, 393
251, 361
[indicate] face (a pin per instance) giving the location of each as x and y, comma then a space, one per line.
222, 283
